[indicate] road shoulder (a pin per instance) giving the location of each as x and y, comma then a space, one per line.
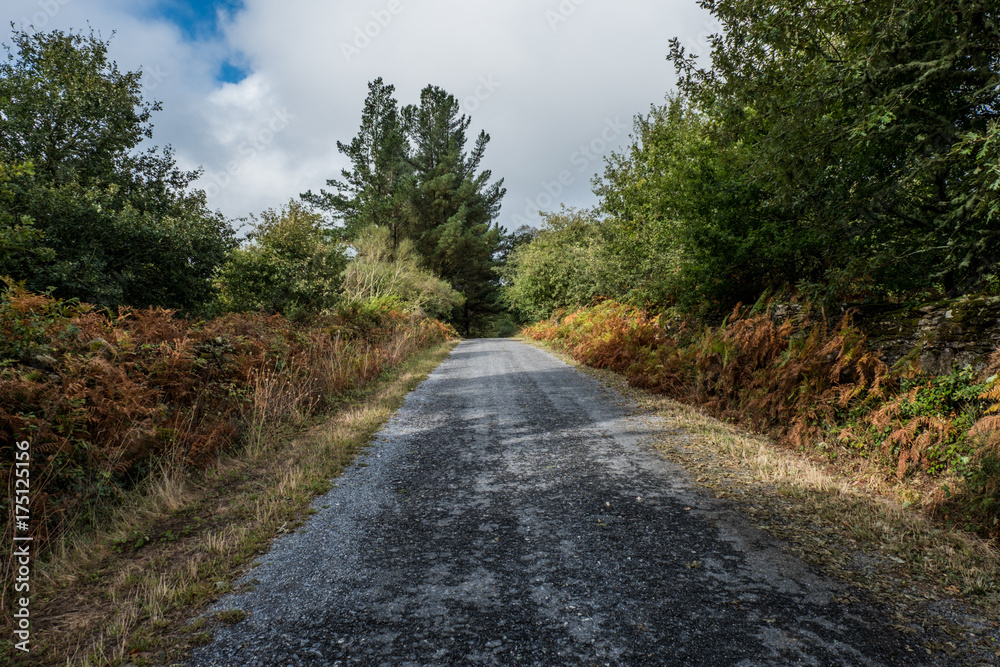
932, 577
129, 596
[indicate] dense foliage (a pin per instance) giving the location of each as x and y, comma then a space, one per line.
412, 175
847, 151
86, 214
874, 122
291, 264
686, 225
560, 267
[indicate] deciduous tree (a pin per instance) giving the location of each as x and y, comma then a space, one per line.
871, 121
123, 226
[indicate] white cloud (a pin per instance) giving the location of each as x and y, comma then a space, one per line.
557, 83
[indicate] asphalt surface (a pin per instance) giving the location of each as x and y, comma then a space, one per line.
514, 513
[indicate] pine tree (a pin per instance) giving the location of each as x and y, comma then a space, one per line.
453, 207
411, 173
375, 191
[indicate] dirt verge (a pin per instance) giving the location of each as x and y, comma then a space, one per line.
126, 594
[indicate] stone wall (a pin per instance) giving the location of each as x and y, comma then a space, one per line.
936, 337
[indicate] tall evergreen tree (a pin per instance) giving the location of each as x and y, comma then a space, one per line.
412, 174
375, 190
454, 207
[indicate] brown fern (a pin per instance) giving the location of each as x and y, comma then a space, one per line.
989, 424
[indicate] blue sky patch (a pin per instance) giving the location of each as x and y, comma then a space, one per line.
231, 72
197, 19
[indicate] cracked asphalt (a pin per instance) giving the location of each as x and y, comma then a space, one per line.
514, 512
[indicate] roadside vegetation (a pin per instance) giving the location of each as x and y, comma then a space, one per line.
824, 514
833, 157
186, 392
933, 441
130, 589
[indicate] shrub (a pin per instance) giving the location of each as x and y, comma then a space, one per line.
103, 397
291, 265
559, 268
381, 272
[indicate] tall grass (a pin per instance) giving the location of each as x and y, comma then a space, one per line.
114, 402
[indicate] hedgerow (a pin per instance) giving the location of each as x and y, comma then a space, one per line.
105, 397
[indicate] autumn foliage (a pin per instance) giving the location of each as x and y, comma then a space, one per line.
103, 398
812, 386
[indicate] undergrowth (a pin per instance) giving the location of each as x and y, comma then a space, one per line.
815, 387
106, 398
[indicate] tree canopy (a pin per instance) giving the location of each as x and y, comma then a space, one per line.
118, 225
413, 175
872, 122
842, 151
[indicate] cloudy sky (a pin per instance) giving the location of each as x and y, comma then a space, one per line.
258, 92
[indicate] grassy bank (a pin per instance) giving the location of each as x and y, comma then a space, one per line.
162, 451
110, 599
932, 441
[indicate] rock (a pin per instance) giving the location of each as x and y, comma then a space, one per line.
45, 362
936, 338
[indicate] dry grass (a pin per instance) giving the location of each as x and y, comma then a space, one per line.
842, 519
127, 593
106, 397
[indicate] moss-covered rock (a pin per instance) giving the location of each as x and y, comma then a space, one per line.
936, 337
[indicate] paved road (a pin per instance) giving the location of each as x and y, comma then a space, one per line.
513, 513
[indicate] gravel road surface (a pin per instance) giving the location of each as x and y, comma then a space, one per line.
514, 513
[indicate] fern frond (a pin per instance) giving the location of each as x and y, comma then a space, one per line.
992, 394
986, 425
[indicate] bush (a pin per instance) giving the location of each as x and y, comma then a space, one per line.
382, 273
559, 268
291, 265
103, 398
